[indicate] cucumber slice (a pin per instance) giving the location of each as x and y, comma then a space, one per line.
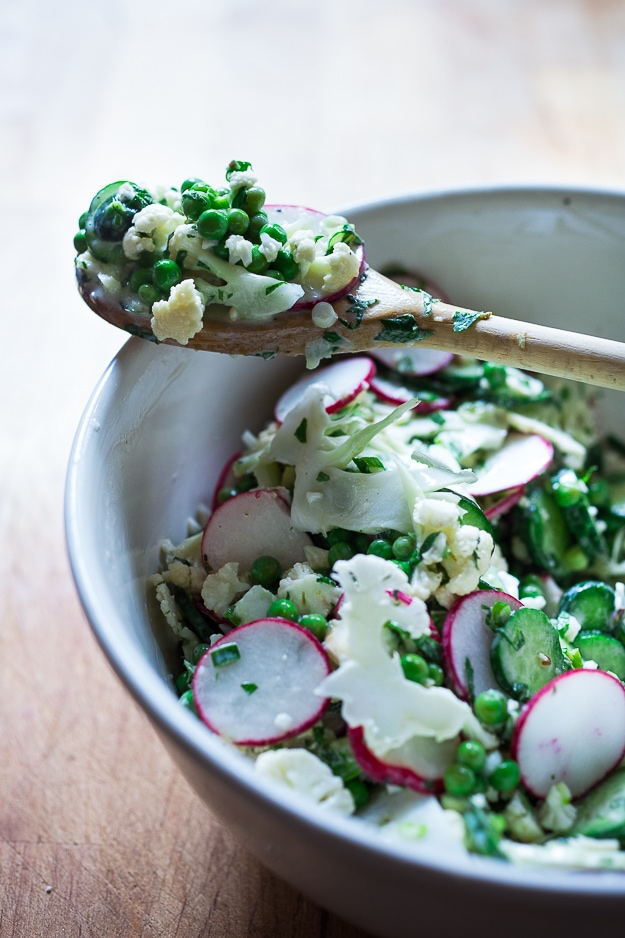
526, 653
605, 650
571, 494
602, 813
592, 603
547, 533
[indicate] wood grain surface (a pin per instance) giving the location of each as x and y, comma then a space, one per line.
335, 103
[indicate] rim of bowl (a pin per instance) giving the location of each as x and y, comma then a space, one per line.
162, 706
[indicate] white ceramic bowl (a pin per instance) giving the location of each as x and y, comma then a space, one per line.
158, 429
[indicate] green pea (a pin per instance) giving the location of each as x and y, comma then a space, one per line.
404, 546
82, 221
276, 232
287, 265
199, 651
183, 682
283, 609
265, 570
380, 547
80, 242
506, 776
226, 493
259, 263
436, 674
315, 623
189, 183
222, 199
340, 551
139, 277
575, 558
491, 707
403, 565
221, 250
238, 221
472, 753
415, 668
148, 294
249, 199
361, 543
531, 586
213, 224
335, 535
257, 222
188, 702
194, 203
166, 274
459, 780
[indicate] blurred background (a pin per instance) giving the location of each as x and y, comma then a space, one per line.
335, 103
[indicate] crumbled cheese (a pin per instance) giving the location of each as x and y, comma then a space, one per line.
303, 772
240, 249
180, 316
150, 229
242, 177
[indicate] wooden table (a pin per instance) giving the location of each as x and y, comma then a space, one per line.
334, 103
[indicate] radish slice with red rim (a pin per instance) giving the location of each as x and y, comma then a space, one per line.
345, 380
503, 505
312, 219
419, 764
391, 393
226, 479
520, 460
251, 525
413, 362
466, 640
256, 686
572, 731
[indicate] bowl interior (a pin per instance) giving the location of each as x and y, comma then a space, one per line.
163, 421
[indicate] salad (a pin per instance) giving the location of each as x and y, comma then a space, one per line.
166, 258
405, 601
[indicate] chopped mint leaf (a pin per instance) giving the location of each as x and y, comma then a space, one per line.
332, 337
428, 299
369, 464
323, 477
249, 687
273, 286
464, 321
402, 330
302, 431
358, 309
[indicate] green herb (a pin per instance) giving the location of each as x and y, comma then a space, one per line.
395, 627
273, 286
267, 355
358, 309
302, 431
190, 613
402, 330
323, 477
249, 688
464, 321
428, 299
332, 337
470, 673
140, 332
181, 257
225, 654
369, 464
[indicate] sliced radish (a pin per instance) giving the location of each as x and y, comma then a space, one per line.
572, 731
251, 525
391, 393
256, 686
345, 380
419, 764
504, 504
225, 479
467, 639
413, 362
287, 214
520, 460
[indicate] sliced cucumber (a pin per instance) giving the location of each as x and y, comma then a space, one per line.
571, 494
547, 533
605, 650
592, 603
602, 813
526, 653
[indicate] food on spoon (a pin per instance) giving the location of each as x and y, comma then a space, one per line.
167, 258
495, 521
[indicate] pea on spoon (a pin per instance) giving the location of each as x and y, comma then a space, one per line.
218, 270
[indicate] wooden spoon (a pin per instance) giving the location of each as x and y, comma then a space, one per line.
381, 313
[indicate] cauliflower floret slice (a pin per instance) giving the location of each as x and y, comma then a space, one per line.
180, 316
220, 589
150, 229
306, 774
